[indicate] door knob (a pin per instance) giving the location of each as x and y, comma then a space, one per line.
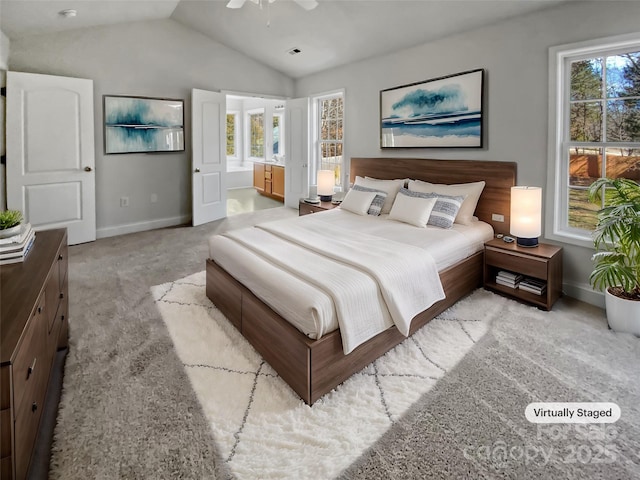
197, 170
87, 169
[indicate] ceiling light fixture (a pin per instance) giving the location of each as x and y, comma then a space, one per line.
68, 13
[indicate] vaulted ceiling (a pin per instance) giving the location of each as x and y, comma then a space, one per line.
335, 33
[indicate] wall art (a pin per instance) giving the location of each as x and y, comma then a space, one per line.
442, 112
142, 124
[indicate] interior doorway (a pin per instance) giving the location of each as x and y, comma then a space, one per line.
255, 135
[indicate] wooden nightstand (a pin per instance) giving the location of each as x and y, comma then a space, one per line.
307, 208
543, 262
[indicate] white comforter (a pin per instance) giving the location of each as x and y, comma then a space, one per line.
367, 282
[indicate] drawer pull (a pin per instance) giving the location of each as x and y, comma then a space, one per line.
39, 309
34, 407
60, 257
31, 369
61, 294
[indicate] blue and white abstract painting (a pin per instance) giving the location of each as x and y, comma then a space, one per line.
444, 112
135, 124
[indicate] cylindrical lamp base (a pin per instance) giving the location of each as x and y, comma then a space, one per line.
527, 242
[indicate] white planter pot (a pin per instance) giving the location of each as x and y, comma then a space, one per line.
623, 315
10, 232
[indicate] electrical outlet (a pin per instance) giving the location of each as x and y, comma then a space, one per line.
124, 201
154, 198
496, 217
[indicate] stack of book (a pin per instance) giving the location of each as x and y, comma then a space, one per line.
508, 279
15, 249
533, 285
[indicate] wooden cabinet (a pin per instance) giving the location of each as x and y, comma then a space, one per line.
268, 180
277, 182
543, 262
258, 176
34, 325
306, 208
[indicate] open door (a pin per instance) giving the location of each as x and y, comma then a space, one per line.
296, 175
50, 153
209, 158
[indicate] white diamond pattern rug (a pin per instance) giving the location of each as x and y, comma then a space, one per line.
262, 428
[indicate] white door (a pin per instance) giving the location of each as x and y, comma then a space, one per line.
209, 157
51, 153
296, 172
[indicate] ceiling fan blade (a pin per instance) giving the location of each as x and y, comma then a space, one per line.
235, 3
307, 4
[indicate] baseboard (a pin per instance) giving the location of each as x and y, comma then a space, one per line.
584, 293
142, 226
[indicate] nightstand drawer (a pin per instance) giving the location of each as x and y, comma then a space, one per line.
517, 262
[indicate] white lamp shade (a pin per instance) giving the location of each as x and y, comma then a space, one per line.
526, 212
326, 180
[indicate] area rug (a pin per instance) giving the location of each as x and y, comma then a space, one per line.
263, 429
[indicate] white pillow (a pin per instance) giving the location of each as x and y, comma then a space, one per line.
357, 201
389, 186
413, 210
471, 192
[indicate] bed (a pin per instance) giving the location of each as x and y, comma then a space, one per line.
314, 366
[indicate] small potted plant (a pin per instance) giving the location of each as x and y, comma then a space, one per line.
10, 221
617, 258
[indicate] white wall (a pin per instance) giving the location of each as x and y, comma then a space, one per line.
514, 54
158, 59
4, 61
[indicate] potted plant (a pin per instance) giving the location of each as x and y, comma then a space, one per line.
617, 258
10, 221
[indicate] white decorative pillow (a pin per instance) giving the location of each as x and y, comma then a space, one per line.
389, 186
444, 211
357, 201
376, 206
471, 192
411, 209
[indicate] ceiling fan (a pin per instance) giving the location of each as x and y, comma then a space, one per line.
306, 4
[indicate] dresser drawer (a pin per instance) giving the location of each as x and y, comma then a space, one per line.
32, 356
516, 262
27, 420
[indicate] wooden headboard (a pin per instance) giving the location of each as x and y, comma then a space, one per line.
495, 198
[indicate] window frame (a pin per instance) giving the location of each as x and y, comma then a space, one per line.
236, 133
560, 58
317, 141
249, 113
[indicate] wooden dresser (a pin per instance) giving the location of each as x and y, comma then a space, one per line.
33, 326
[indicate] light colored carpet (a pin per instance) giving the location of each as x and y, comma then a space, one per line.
128, 409
263, 429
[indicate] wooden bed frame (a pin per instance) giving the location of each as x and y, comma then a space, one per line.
315, 367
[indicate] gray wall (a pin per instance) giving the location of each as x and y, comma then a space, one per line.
514, 54
158, 59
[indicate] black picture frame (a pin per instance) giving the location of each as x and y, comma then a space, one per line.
142, 124
443, 112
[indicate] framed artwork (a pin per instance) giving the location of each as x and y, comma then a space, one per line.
142, 124
442, 112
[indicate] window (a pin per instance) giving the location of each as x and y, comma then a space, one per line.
232, 134
329, 110
278, 134
256, 134
597, 127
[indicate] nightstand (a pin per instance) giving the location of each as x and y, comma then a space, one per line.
307, 208
542, 263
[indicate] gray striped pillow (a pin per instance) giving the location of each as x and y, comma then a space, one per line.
444, 211
376, 206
